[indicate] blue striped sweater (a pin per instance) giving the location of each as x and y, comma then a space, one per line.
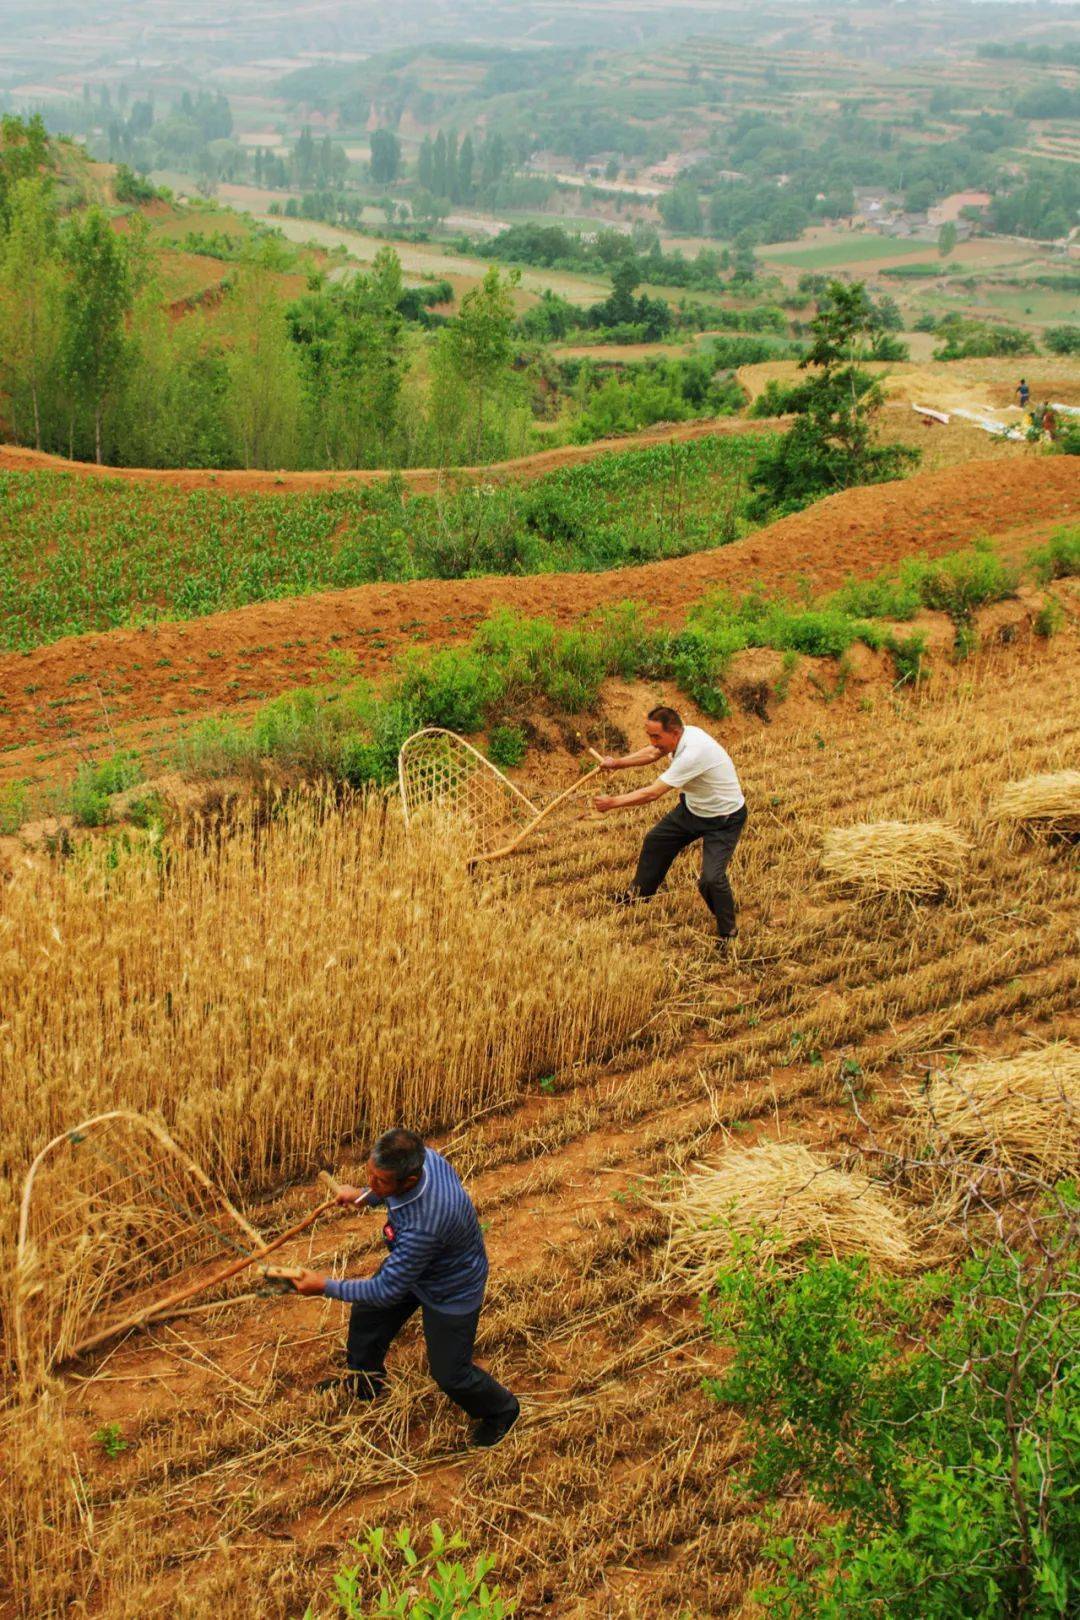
436, 1247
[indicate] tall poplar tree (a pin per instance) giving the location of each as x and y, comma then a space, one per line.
98, 299
30, 294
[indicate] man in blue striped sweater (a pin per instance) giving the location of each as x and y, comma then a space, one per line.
438, 1265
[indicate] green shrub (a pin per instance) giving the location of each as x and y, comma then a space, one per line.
1059, 558
13, 806
965, 641
1067, 442
95, 785
148, 811
777, 399
698, 665
961, 581
579, 664
882, 597
506, 746
452, 687
1050, 618
90, 805
121, 770
393, 1579
908, 654
520, 647
935, 1421
215, 747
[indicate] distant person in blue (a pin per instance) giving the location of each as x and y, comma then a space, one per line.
1023, 393
438, 1265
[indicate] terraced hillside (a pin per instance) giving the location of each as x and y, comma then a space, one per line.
139, 685
615, 1496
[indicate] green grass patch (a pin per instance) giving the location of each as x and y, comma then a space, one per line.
831, 255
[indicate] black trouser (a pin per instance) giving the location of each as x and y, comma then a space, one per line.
718, 834
449, 1339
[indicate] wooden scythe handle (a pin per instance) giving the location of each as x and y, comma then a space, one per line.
164, 1306
494, 854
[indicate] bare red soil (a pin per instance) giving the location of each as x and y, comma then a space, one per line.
151, 678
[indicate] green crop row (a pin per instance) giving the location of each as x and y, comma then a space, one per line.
78, 555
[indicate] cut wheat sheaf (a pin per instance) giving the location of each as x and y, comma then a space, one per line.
1048, 803
1021, 1113
788, 1201
922, 858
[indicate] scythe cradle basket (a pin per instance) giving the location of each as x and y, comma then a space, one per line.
441, 774
113, 1214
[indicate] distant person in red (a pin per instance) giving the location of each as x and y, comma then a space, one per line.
1048, 421
711, 809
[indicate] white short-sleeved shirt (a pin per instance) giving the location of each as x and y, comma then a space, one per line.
703, 771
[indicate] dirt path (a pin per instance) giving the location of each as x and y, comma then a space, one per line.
423, 480
128, 684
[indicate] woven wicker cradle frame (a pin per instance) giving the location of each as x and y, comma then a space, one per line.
440, 772
113, 1211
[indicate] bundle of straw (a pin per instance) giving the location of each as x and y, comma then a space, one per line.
789, 1200
895, 857
1022, 1113
1047, 804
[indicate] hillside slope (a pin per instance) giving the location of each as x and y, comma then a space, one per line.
102, 685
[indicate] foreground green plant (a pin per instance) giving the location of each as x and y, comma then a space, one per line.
395, 1580
936, 1420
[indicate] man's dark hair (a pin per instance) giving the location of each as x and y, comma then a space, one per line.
399, 1152
670, 719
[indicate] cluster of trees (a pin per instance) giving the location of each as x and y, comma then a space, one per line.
552, 247
91, 365
463, 173
311, 164
194, 134
1046, 206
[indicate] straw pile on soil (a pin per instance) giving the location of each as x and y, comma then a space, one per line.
789, 1200
895, 857
1046, 804
1022, 1113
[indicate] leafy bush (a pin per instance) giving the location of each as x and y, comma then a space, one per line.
882, 597
960, 582
94, 785
90, 806
452, 687
13, 805
1067, 442
394, 1580
908, 654
777, 399
121, 770
1050, 618
506, 746
1062, 339
964, 339
937, 1419
1059, 558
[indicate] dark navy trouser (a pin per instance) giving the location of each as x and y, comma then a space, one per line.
449, 1339
680, 827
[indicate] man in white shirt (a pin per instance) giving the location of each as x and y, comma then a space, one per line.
711, 807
